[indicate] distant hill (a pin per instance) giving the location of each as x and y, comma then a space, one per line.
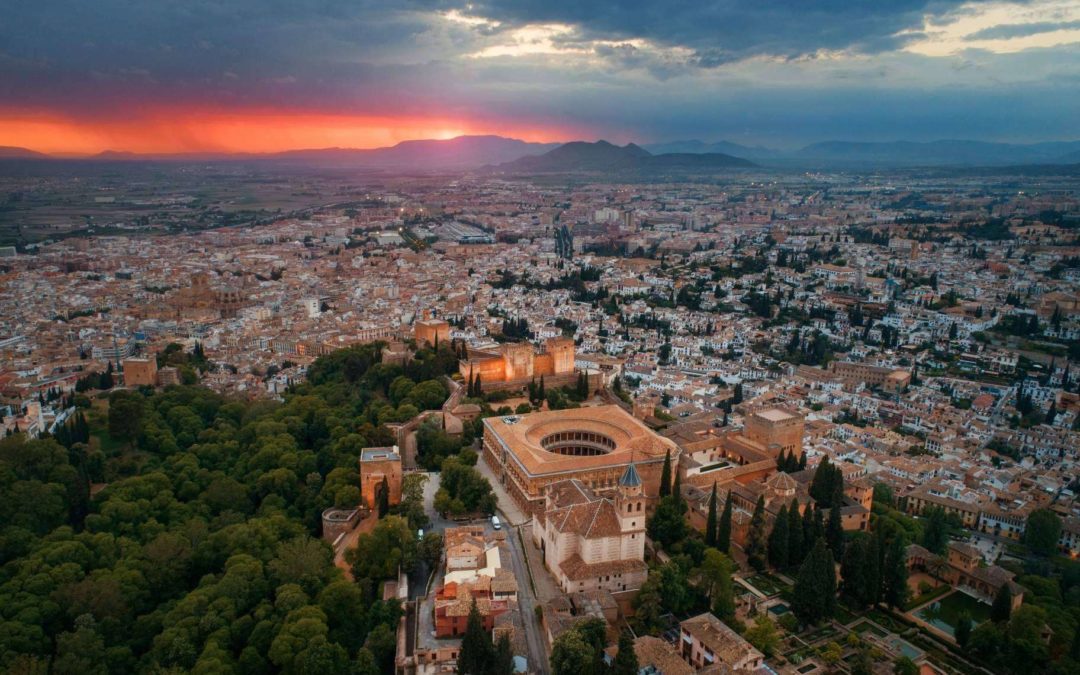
755, 152
463, 152
581, 156
10, 152
936, 153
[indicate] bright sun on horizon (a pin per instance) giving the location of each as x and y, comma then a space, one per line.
256, 132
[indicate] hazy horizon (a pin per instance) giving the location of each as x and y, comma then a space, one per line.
239, 76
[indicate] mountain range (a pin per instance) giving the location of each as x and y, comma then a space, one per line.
496, 153
579, 156
893, 154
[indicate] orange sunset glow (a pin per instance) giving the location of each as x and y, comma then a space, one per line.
271, 131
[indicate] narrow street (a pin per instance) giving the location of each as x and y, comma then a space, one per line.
535, 639
534, 633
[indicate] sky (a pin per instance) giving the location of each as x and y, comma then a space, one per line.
268, 75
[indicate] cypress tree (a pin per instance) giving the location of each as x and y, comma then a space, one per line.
782, 461
778, 540
807, 529
625, 661
834, 533
795, 552
476, 650
723, 532
1001, 610
710, 521
814, 596
872, 589
802, 461
853, 570
962, 632
757, 538
665, 474
479, 389
384, 497
895, 574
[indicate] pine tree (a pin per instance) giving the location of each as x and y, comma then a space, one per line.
476, 650
625, 661
710, 521
723, 532
665, 475
756, 538
1001, 610
795, 552
778, 540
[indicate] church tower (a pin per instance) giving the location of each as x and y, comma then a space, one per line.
630, 504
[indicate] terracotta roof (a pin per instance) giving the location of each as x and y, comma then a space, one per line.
522, 435
575, 568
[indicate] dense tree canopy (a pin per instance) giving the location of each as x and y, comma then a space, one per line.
202, 552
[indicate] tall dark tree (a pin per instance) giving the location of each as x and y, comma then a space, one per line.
1001, 610
858, 572
814, 595
625, 661
1042, 531
894, 574
807, 529
778, 540
723, 531
962, 630
476, 651
711, 520
665, 476
834, 532
872, 590
795, 551
935, 530
384, 497
757, 538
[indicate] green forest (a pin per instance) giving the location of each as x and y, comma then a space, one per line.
201, 553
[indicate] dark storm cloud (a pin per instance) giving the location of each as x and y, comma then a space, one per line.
110, 58
726, 30
201, 38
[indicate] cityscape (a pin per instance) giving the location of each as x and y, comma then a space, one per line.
489, 384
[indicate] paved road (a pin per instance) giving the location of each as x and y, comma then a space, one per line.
535, 638
534, 634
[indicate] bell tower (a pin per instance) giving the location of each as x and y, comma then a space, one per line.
630, 500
